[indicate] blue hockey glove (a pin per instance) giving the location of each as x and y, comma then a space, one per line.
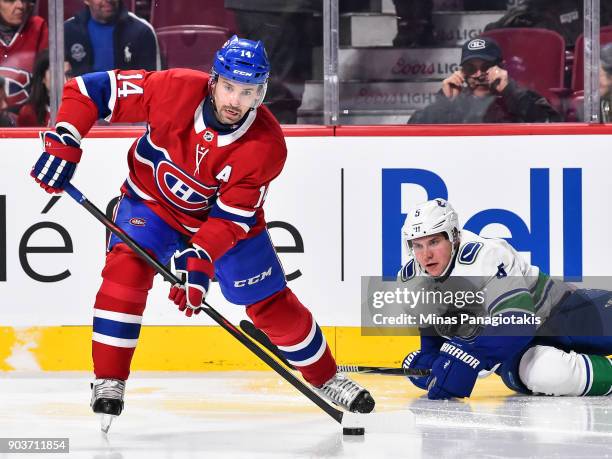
453, 373
57, 163
196, 269
420, 360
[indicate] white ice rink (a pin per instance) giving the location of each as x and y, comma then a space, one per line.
253, 414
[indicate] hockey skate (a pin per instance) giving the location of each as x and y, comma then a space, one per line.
107, 400
347, 394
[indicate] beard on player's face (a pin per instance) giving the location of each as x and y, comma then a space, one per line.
231, 100
231, 114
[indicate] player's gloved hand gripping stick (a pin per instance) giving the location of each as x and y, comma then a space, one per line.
194, 265
57, 163
337, 415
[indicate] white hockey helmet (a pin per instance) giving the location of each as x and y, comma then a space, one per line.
431, 217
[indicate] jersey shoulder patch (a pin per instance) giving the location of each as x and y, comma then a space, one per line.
482, 257
408, 271
468, 252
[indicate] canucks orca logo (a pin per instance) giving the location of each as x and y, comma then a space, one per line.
441, 203
17, 85
181, 190
408, 271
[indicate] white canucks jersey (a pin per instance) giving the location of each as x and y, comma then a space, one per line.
491, 269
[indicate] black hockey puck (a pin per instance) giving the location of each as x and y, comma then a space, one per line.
353, 430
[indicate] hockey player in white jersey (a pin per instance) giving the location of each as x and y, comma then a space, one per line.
540, 335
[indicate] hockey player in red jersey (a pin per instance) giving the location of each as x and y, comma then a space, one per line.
198, 179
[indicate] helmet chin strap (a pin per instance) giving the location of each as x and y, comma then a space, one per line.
211, 85
449, 266
454, 238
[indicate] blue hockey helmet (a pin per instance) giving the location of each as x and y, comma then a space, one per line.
241, 60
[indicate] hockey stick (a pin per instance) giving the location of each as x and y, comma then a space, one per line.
337, 415
263, 339
416, 372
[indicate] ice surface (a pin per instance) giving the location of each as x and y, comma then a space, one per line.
254, 414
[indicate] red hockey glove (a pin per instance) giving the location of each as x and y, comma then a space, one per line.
57, 163
196, 269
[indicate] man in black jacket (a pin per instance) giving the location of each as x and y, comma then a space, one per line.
290, 31
563, 16
106, 36
481, 92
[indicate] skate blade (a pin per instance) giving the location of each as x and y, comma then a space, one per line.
105, 422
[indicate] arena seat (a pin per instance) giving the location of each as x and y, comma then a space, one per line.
575, 108
605, 37
534, 58
191, 46
167, 13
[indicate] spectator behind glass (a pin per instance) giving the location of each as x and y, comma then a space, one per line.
22, 36
414, 23
415, 26
289, 31
605, 84
563, 16
36, 112
106, 36
481, 92
7, 119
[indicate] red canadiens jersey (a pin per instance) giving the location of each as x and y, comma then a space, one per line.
17, 58
197, 179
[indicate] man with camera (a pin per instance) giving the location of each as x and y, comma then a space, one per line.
482, 92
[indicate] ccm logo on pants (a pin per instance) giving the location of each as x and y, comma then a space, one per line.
254, 279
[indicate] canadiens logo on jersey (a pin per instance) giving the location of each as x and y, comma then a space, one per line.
137, 221
176, 186
17, 85
182, 190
